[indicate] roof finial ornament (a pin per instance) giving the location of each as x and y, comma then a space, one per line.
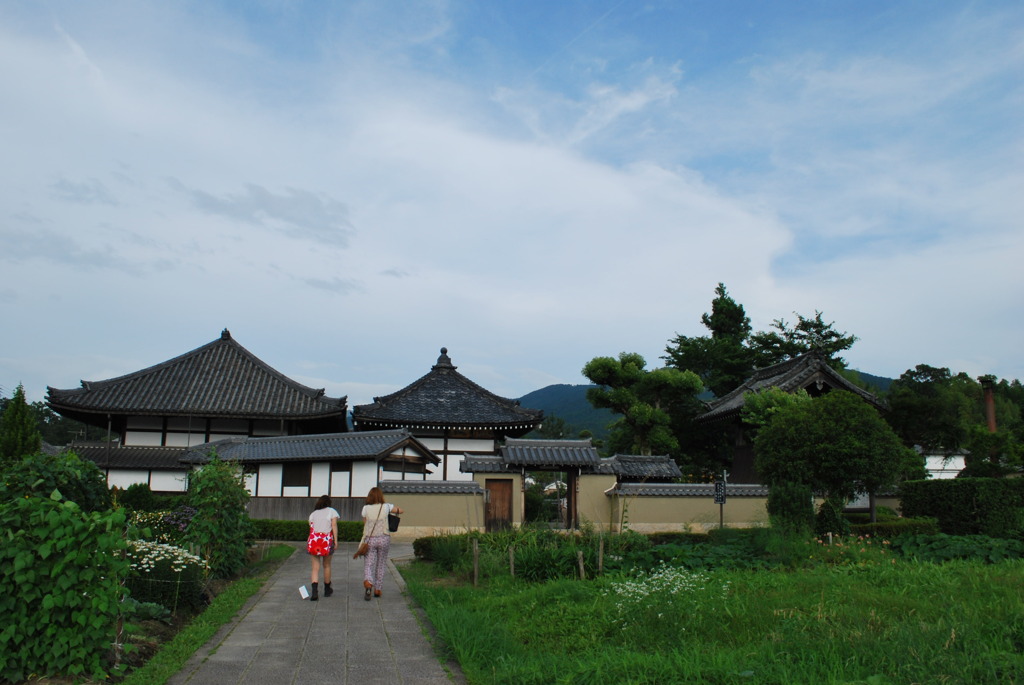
443, 362
225, 334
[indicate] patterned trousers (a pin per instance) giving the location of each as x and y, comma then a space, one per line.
375, 563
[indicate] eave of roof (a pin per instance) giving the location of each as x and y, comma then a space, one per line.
219, 379
789, 376
444, 398
364, 445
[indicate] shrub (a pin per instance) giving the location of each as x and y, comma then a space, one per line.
220, 530
942, 547
791, 507
968, 506
890, 528
830, 519
77, 480
166, 575
168, 527
137, 497
60, 586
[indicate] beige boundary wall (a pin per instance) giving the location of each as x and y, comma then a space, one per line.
689, 507
436, 507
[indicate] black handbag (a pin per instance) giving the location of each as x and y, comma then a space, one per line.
393, 521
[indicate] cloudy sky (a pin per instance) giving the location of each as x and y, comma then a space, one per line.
348, 187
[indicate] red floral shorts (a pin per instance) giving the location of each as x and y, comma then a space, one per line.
320, 544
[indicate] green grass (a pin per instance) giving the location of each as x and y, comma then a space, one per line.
894, 621
173, 655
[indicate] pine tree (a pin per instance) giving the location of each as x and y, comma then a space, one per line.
19, 436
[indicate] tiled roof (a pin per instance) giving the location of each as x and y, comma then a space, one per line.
550, 453
630, 466
478, 464
364, 445
113, 456
219, 379
448, 487
446, 398
686, 490
810, 370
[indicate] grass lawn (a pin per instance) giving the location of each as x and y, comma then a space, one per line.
900, 621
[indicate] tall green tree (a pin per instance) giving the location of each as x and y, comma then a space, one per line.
721, 359
787, 341
19, 436
645, 399
836, 444
930, 407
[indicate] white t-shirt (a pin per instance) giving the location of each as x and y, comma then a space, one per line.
373, 525
321, 519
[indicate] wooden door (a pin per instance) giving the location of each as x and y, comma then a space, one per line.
498, 513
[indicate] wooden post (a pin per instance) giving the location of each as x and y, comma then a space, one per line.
476, 561
579, 560
512, 561
600, 555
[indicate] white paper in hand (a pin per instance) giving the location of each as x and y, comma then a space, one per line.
303, 592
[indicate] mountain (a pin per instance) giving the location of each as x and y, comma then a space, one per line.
877, 384
569, 403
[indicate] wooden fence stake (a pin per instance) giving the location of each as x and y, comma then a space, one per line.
579, 560
512, 561
476, 561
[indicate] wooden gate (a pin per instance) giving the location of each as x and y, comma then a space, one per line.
498, 515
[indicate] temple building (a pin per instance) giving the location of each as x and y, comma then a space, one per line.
215, 392
451, 415
809, 371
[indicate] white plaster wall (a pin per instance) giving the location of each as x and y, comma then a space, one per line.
364, 477
270, 480
453, 469
295, 491
466, 445
122, 478
320, 479
140, 439
339, 483
168, 481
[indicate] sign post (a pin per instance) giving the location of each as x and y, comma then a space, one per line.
720, 498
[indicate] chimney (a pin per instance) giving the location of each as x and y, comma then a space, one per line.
987, 384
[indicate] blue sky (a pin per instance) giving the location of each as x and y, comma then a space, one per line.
348, 187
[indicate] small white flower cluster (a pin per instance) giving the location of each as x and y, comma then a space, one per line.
666, 586
145, 555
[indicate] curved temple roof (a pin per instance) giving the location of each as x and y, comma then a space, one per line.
444, 398
809, 370
219, 379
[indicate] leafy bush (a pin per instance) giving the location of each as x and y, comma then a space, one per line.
166, 575
791, 507
136, 497
78, 480
942, 547
220, 530
830, 519
60, 586
168, 527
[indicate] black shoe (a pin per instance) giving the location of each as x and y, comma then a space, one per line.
313, 597
328, 590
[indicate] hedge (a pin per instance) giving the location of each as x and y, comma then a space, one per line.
298, 531
968, 506
890, 528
